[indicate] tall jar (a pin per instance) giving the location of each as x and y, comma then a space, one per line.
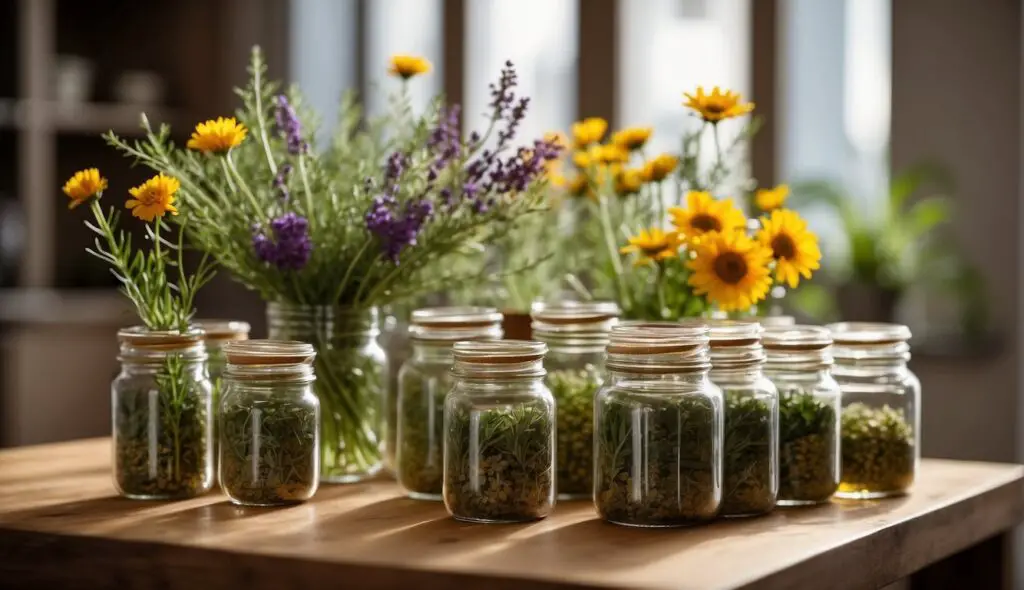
218, 333
270, 424
161, 415
881, 434
658, 424
798, 363
750, 481
499, 422
351, 370
576, 334
423, 382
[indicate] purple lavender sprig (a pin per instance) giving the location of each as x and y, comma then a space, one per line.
397, 231
281, 183
288, 247
289, 126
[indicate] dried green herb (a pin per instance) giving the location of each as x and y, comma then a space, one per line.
574, 391
268, 449
676, 461
420, 465
509, 474
807, 447
162, 435
747, 483
878, 450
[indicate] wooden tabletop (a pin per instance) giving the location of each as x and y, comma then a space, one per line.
62, 525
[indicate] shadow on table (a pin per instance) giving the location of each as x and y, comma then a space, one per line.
78, 512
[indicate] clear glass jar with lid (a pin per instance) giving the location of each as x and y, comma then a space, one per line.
269, 423
799, 359
423, 382
576, 334
218, 333
161, 415
499, 422
658, 424
750, 464
881, 434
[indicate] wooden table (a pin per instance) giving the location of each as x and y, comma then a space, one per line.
62, 526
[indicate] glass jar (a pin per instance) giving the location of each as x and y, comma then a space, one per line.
351, 371
798, 363
423, 383
499, 422
881, 436
218, 333
750, 464
270, 423
576, 334
161, 412
658, 425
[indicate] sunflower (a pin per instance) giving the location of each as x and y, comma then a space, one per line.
704, 214
718, 105
732, 270
154, 197
588, 131
653, 245
218, 135
794, 247
771, 198
632, 138
628, 181
84, 185
660, 167
407, 66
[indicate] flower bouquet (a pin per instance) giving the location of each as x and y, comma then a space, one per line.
328, 236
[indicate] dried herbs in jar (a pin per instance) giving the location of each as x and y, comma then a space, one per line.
878, 449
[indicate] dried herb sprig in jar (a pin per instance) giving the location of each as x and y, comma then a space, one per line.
499, 434
878, 449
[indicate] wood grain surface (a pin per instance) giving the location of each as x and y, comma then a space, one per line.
62, 525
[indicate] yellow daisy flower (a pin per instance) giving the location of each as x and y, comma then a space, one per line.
704, 214
578, 185
771, 198
218, 135
718, 105
794, 247
589, 131
632, 138
84, 185
610, 154
583, 159
653, 245
628, 181
660, 167
407, 66
732, 270
154, 197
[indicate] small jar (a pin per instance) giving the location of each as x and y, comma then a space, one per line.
269, 423
218, 333
499, 422
161, 414
423, 382
658, 425
750, 481
881, 436
798, 363
576, 334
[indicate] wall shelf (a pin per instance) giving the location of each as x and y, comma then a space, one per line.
86, 118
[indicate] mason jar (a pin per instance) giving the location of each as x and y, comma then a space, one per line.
576, 334
161, 414
269, 423
658, 428
499, 422
750, 480
218, 333
881, 434
799, 359
423, 382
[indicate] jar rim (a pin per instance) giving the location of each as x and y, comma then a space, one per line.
269, 352
796, 337
725, 333
574, 312
141, 336
498, 351
642, 338
455, 317
219, 329
854, 333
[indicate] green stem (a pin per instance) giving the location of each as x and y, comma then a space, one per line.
260, 119
257, 210
305, 187
609, 240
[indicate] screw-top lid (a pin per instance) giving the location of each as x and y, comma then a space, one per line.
735, 344
269, 360
868, 333
575, 326
809, 346
499, 359
652, 347
219, 330
455, 323
139, 344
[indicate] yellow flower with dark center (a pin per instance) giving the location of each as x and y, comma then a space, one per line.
660, 167
632, 138
771, 198
583, 159
628, 181
704, 215
154, 197
653, 245
732, 270
588, 131
718, 105
578, 185
612, 154
793, 245
218, 135
84, 185
407, 66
